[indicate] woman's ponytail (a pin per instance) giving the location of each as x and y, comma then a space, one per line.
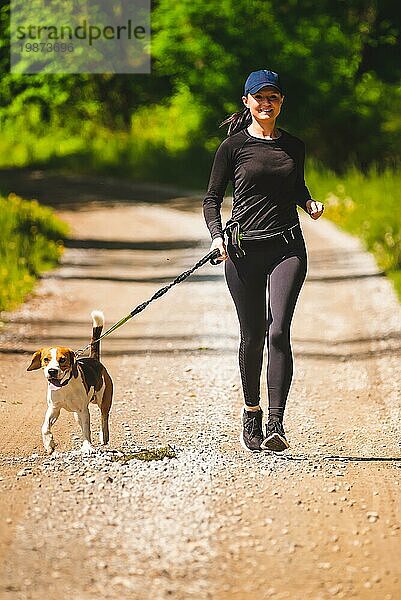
238, 120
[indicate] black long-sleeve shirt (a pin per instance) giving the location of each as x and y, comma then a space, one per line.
268, 182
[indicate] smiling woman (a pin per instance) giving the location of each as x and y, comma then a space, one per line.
265, 246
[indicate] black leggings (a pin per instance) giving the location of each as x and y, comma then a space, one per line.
282, 266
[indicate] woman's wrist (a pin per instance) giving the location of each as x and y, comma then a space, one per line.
218, 242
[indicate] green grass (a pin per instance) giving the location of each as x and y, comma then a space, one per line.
30, 243
367, 206
145, 152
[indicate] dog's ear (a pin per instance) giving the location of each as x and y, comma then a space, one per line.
73, 363
36, 361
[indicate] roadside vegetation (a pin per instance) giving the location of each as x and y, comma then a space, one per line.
30, 243
365, 205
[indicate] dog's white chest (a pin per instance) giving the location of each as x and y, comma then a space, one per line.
72, 397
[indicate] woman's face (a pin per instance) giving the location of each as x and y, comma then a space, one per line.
265, 105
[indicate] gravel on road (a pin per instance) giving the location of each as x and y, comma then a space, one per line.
211, 521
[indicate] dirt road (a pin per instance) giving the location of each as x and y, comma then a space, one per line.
321, 521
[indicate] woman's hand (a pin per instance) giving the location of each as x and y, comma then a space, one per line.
219, 243
314, 208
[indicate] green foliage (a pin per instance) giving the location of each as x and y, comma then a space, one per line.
30, 243
164, 125
366, 205
338, 62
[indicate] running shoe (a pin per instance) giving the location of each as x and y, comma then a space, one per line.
252, 431
275, 439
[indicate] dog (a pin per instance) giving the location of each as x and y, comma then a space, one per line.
73, 384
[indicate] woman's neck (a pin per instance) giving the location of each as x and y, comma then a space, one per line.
265, 130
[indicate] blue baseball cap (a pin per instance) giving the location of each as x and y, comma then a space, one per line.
259, 79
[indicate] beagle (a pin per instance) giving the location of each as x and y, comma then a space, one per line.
74, 383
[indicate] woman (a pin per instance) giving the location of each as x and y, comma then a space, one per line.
265, 246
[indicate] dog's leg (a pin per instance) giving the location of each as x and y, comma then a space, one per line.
104, 434
83, 419
105, 410
51, 417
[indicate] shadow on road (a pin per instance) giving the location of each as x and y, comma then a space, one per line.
137, 338
204, 350
153, 245
395, 335
319, 458
68, 191
115, 278
347, 277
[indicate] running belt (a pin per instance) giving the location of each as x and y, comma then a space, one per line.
260, 234
236, 236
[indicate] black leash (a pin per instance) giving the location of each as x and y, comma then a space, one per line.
211, 256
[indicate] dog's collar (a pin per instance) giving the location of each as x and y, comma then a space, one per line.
67, 380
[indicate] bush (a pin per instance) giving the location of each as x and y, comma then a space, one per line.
366, 205
31, 242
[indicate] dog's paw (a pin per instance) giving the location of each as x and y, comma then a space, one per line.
49, 448
102, 440
87, 448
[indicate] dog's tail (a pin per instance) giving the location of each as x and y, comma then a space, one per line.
98, 322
